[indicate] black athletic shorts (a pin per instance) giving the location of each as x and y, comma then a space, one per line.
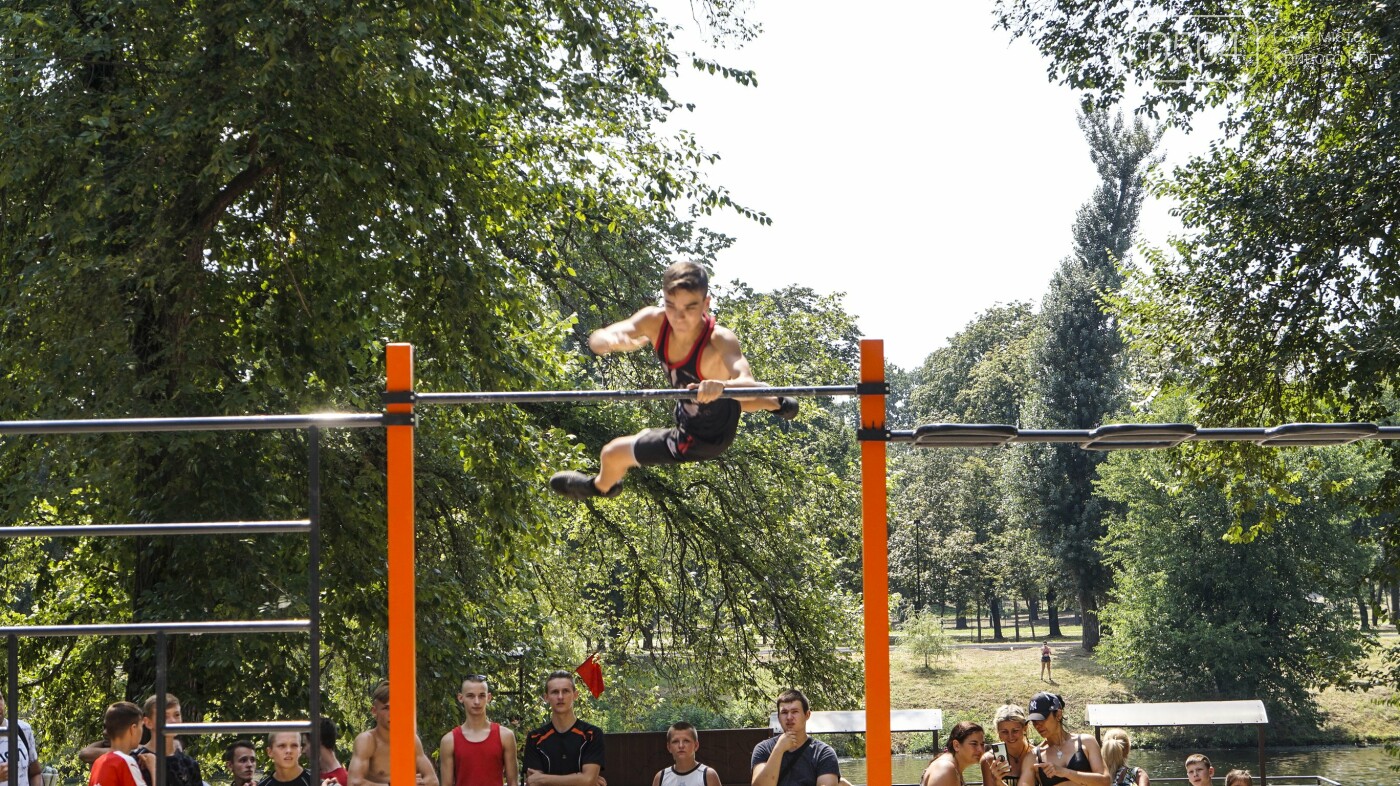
675, 446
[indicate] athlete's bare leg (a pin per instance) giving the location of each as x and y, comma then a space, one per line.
617, 457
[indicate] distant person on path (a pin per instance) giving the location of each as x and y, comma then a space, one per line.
1239, 778
478, 752
696, 354
241, 760
683, 742
369, 762
1198, 770
333, 773
1045, 663
792, 758
1010, 723
1064, 756
1116, 747
31, 769
565, 751
964, 749
121, 727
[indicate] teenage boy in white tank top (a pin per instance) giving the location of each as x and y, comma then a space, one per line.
683, 741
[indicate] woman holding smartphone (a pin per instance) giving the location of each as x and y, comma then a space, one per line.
965, 742
1002, 762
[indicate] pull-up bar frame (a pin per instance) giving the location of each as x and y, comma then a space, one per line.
400, 398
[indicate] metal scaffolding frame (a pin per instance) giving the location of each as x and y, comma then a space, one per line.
311, 526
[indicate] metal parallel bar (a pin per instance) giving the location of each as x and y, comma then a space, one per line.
313, 582
239, 727
162, 681
1227, 435
1053, 435
548, 396
901, 435
151, 628
229, 423
12, 708
132, 530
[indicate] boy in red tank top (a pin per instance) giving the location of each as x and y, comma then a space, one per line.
697, 355
479, 752
122, 726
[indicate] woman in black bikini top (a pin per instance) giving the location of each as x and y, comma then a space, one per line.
1053, 762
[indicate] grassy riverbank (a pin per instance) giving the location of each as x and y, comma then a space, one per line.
974, 681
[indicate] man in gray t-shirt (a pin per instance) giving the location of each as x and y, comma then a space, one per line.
792, 758
30, 768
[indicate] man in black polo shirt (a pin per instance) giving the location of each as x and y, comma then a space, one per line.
565, 751
792, 758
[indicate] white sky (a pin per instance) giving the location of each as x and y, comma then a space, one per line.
910, 156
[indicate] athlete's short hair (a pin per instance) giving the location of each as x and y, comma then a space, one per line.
1239, 778
1199, 758
231, 752
687, 275
272, 738
328, 733
119, 717
381, 692
481, 678
683, 726
793, 694
148, 707
558, 674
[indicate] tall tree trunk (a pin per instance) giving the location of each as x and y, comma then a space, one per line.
1016, 616
1032, 610
1052, 613
1362, 609
977, 607
994, 611
1089, 605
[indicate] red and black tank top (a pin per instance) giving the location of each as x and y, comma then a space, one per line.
705, 421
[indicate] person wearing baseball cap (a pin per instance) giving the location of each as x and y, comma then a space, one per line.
1064, 757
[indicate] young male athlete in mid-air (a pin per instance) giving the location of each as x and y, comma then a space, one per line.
696, 354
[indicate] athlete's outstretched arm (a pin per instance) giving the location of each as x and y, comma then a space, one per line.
631, 333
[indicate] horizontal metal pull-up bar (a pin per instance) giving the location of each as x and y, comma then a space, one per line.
132, 530
152, 628
549, 396
1140, 436
239, 727
226, 423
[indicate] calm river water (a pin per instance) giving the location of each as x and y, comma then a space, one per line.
1349, 766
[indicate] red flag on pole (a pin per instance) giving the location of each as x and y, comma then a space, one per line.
591, 672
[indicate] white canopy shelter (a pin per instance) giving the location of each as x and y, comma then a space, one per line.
1249, 712
853, 722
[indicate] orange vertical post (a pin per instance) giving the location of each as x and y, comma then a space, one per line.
875, 568
403, 677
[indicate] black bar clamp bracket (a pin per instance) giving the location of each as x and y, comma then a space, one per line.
401, 418
872, 389
398, 397
873, 434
